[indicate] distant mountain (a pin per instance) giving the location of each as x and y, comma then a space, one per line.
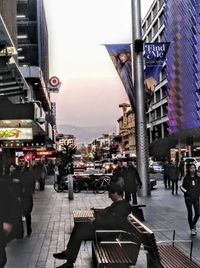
85, 134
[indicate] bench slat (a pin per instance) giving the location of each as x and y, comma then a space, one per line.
172, 257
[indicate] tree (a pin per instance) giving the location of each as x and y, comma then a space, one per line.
67, 153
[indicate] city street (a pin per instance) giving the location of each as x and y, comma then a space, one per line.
53, 222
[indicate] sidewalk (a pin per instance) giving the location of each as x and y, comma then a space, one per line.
52, 223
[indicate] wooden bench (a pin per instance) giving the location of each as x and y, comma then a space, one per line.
136, 210
122, 251
162, 254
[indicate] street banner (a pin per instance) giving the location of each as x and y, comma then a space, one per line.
120, 55
155, 56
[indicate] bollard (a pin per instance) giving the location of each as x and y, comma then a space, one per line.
70, 187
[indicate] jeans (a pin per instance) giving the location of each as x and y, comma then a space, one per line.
195, 204
166, 181
174, 183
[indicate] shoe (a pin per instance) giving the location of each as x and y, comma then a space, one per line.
60, 256
173, 193
195, 229
193, 232
66, 265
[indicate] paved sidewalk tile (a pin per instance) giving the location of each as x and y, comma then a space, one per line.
52, 223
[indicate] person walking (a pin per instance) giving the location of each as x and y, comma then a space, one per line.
166, 179
28, 188
172, 173
112, 217
13, 178
191, 190
131, 183
119, 173
9, 211
181, 169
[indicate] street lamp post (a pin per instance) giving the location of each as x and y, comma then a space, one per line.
138, 67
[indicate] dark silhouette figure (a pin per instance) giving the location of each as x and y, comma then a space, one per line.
131, 183
172, 173
9, 212
191, 189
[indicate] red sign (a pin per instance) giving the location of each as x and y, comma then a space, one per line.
44, 153
54, 81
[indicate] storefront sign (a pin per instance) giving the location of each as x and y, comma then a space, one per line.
54, 84
43, 153
16, 134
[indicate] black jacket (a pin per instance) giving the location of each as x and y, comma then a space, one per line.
118, 173
114, 216
131, 180
191, 187
9, 208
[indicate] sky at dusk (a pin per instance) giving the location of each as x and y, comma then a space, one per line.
91, 89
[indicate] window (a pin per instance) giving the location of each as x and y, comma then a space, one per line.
155, 28
155, 10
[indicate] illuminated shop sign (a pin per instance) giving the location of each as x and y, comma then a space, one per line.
16, 134
43, 153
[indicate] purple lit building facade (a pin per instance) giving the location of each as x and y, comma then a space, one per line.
173, 119
182, 29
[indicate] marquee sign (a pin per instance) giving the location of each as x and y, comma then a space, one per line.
16, 134
44, 153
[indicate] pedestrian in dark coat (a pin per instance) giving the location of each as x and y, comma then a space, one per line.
9, 210
165, 175
131, 183
14, 175
181, 168
119, 173
28, 188
173, 174
191, 189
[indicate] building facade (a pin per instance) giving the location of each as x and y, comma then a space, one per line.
127, 130
24, 98
173, 118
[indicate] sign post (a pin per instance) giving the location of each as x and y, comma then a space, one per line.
70, 187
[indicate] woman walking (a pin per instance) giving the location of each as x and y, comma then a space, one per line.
191, 189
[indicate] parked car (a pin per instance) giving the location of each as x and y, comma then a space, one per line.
193, 160
97, 164
79, 165
90, 165
156, 167
108, 167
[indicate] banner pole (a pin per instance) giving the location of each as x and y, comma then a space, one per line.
142, 150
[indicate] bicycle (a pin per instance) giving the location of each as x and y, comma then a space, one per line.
102, 184
63, 185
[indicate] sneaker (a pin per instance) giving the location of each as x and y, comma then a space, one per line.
66, 265
60, 256
193, 232
195, 229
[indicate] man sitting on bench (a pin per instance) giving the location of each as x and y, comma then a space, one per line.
112, 217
